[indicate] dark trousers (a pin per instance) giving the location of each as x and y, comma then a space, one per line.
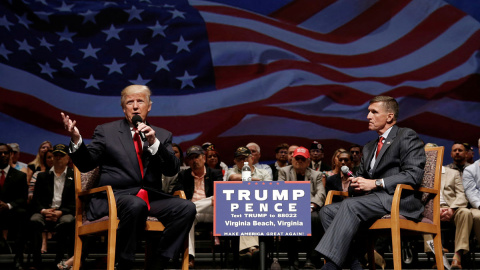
343, 222
64, 230
309, 242
14, 221
176, 214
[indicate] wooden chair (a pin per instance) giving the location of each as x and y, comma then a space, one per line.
84, 186
394, 223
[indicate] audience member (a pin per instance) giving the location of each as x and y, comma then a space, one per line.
454, 209
134, 169
335, 165
255, 149
197, 183
281, 155
179, 154
53, 205
14, 163
13, 203
37, 163
291, 150
299, 171
213, 159
471, 183
356, 151
459, 156
48, 161
248, 244
316, 155
470, 153
400, 160
339, 181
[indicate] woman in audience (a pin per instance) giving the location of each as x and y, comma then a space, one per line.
339, 181
213, 160
37, 164
179, 154
48, 161
335, 167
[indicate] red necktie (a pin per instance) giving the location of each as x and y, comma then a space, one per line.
2, 179
379, 145
142, 193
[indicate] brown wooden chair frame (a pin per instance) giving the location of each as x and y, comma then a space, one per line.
108, 224
394, 223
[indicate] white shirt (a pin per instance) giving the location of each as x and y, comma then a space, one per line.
58, 185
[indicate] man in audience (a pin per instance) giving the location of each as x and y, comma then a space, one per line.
14, 163
291, 150
459, 156
471, 183
53, 205
453, 203
255, 150
197, 183
13, 203
248, 244
281, 155
316, 155
299, 171
356, 151
470, 153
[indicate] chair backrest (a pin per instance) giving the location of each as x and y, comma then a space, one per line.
88, 179
432, 177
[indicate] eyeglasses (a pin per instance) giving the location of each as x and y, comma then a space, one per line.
4, 153
344, 159
212, 156
315, 151
355, 152
300, 158
239, 159
283, 152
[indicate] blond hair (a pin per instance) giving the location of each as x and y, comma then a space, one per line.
133, 89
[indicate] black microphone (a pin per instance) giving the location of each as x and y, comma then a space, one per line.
136, 119
347, 171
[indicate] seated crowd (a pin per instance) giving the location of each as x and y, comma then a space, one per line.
37, 200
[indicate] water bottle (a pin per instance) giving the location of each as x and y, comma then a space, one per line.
246, 172
275, 265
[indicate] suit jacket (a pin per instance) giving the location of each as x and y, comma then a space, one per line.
323, 166
452, 190
43, 193
317, 191
15, 189
400, 161
333, 182
186, 182
113, 150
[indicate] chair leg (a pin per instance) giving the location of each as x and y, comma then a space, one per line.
185, 255
437, 242
397, 249
112, 239
371, 254
77, 253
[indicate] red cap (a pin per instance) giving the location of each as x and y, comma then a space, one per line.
301, 151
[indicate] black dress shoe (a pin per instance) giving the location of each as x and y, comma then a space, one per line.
309, 265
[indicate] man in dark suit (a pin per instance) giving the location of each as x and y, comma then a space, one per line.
53, 206
13, 203
197, 182
316, 156
396, 157
134, 167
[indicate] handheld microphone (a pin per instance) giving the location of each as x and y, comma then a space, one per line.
136, 119
347, 171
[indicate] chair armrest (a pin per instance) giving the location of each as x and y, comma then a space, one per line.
96, 190
180, 194
332, 193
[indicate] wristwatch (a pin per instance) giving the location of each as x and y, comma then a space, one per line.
378, 183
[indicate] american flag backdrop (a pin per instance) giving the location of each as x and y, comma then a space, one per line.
231, 72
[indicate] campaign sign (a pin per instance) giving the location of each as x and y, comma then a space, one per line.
262, 208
